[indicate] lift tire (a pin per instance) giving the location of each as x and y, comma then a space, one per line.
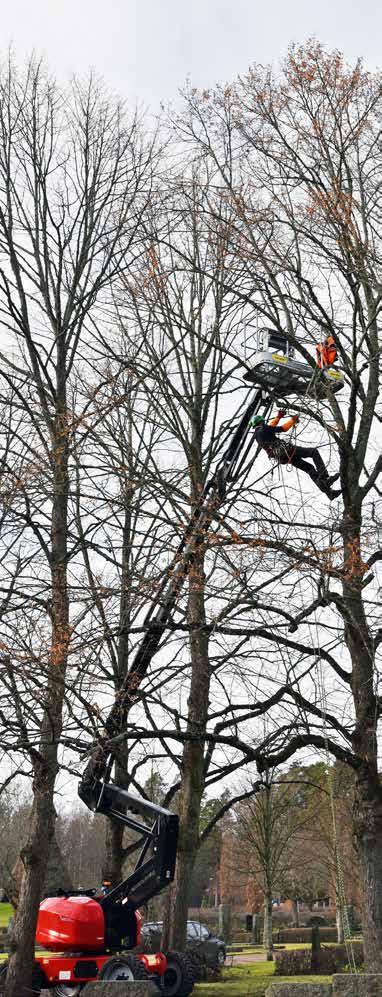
180, 975
123, 967
68, 989
38, 979
199, 963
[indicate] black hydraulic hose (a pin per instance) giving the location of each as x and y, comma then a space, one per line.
243, 426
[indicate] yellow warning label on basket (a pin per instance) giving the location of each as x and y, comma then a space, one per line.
279, 358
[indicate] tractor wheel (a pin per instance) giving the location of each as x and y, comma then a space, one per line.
37, 979
123, 967
68, 989
180, 975
198, 962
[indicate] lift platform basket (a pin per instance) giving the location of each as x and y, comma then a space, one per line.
283, 375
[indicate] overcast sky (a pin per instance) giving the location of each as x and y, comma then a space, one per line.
146, 48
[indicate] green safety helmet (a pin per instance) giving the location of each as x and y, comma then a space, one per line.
257, 419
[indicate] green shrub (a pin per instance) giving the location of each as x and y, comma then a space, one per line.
298, 962
295, 962
290, 935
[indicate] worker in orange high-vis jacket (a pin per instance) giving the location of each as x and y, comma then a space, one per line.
307, 459
326, 353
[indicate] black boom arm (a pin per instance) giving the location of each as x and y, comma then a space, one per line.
159, 613
157, 838
156, 863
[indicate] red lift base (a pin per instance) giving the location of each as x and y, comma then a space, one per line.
85, 969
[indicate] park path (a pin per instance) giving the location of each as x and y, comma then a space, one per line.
241, 958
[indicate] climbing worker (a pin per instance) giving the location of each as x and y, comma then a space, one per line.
290, 453
105, 887
326, 353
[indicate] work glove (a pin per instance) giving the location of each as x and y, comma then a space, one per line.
281, 413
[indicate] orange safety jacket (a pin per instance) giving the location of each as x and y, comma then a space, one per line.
287, 425
326, 353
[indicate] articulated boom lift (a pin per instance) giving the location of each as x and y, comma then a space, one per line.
91, 929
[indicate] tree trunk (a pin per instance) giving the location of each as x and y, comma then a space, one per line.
368, 831
34, 856
56, 877
268, 873
368, 797
114, 857
36, 850
166, 913
225, 921
112, 869
339, 925
267, 933
316, 945
193, 774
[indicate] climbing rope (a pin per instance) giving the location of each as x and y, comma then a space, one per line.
339, 877
340, 886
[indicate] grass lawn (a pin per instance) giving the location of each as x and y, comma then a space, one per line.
5, 914
245, 950
250, 981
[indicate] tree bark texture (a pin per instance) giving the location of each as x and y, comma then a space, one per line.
193, 773
268, 875
114, 857
339, 926
41, 829
34, 856
114, 830
267, 933
368, 798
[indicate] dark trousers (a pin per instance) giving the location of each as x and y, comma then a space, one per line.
297, 456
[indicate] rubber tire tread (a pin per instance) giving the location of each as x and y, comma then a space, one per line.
137, 967
56, 989
199, 963
189, 973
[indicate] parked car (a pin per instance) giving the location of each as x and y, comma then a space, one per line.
211, 948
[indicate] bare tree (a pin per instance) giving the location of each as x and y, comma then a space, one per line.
298, 156
122, 554
268, 829
188, 326
75, 179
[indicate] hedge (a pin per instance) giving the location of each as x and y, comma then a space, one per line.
296, 962
288, 935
